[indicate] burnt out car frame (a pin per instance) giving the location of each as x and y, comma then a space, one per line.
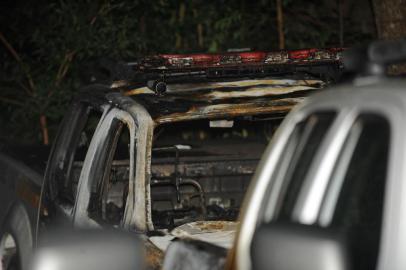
111, 167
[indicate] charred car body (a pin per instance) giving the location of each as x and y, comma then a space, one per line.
167, 152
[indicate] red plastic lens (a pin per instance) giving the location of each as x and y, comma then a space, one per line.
301, 54
247, 57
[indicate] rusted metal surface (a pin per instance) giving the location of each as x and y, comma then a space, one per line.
220, 233
210, 226
154, 256
199, 227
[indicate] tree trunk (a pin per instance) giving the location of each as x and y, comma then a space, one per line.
44, 129
390, 18
279, 18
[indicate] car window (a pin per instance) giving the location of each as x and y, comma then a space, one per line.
353, 200
295, 161
359, 206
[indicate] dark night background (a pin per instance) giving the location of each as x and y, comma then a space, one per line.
50, 48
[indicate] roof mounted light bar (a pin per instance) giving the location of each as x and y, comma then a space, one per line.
155, 71
169, 61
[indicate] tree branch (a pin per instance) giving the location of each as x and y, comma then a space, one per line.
26, 89
11, 101
18, 59
62, 71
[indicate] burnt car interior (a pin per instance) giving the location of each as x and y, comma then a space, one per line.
201, 169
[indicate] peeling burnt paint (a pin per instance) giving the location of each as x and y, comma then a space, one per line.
234, 89
257, 92
231, 110
224, 99
265, 83
139, 192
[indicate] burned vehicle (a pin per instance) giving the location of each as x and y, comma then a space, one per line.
167, 152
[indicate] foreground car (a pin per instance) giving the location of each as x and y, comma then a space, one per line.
330, 190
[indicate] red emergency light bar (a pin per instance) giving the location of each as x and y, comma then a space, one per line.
227, 59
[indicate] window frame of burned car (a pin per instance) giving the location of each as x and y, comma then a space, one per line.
101, 152
57, 196
363, 157
101, 210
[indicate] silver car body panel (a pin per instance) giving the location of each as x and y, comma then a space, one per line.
386, 98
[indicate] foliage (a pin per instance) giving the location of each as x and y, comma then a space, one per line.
56, 42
